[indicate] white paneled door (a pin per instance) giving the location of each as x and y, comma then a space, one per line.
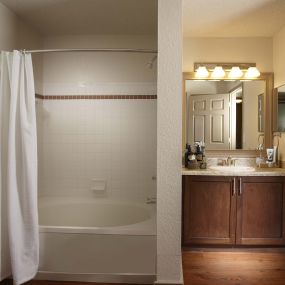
209, 120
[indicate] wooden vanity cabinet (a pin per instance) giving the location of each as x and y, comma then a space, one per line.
220, 210
260, 211
209, 210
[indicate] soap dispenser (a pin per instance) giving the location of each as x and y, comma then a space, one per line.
186, 155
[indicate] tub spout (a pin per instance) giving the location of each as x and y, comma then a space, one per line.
151, 200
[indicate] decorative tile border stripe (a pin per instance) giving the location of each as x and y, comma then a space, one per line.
94, 97
38, 96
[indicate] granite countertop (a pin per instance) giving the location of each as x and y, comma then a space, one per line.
224, 171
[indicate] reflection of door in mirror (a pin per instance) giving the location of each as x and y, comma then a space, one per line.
261, 113
224, 114
209, 120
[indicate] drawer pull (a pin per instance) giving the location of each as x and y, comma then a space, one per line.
234, 187
240, 187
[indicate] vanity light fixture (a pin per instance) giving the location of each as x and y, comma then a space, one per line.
235, 72
202, 72
252, 72
218, 72
225, 71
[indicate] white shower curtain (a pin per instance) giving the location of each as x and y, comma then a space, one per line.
18, 168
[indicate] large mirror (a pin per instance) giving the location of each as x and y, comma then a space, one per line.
280, 109
227, 115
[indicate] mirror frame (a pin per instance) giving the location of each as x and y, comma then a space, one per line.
268, 77
275, 111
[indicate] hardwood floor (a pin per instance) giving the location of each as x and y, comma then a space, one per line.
220, 267
233, 268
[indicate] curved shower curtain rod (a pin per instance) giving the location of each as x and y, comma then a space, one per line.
123, 50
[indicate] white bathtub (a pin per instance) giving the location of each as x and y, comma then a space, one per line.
96, 240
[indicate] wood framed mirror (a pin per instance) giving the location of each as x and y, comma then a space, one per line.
258, 102
279, 109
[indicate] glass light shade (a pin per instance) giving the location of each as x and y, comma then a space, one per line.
218, 72
252, 72
202, 72
235, 72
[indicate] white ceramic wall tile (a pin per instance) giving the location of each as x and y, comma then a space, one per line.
110, 88
113, 140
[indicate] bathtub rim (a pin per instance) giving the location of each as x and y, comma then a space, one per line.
146, 227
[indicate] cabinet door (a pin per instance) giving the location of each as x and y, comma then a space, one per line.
260, 211
209, 210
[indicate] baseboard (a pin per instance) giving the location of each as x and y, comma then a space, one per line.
6, 281
95, 277
168, 282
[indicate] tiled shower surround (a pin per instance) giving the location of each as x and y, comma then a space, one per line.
113, 140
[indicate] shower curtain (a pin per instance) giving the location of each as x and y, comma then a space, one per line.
18, 168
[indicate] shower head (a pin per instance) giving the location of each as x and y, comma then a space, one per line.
151, 62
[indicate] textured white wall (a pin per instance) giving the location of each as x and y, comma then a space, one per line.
169, 141
258, 50
99, 73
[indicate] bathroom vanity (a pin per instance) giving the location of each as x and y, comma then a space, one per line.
233, 208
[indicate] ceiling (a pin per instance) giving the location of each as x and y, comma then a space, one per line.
59, 17
233, 18
201, 18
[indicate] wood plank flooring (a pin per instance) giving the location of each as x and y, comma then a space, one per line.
233, 268
220, 267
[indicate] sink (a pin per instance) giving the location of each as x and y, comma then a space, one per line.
232, 168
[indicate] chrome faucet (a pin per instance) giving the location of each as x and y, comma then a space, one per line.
229, 161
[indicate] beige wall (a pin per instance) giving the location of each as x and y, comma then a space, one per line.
258, 50
27, 38
99, 73
8, 29
15, 34
279, 58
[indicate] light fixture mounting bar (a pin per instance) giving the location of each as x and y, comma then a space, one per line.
224, 65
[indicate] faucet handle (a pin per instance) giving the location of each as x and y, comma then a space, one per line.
222, 162
229, 161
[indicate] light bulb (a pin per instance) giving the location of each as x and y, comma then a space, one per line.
235, 72
218, 72
202, 72
252, 72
